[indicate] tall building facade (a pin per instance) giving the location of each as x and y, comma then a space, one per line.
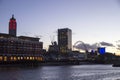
12, 26
64, 40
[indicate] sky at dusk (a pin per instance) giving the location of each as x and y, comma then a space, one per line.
91, 21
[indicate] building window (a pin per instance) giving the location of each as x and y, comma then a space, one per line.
5, 58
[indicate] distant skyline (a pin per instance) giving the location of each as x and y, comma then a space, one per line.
91, 21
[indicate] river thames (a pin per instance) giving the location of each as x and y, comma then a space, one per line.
74, 72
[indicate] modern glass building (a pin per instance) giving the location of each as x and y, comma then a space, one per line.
64, 40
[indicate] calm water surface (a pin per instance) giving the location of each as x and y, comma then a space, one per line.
80, 72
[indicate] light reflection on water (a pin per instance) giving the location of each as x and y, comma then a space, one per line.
80, 72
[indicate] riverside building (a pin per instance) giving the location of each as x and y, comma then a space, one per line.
17, 48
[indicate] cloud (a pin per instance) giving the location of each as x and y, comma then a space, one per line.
86, 46
118, 41
118, 48
106, 44
80, 46
94, 46
118, 45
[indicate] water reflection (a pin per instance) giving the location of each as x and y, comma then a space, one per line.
81, 72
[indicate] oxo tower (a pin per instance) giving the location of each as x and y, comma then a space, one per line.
12, 26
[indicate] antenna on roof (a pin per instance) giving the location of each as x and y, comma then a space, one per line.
12, 15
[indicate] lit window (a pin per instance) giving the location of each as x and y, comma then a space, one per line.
27, 58
15, 58
1, 58
18, 58
5, 58
36, 58
21, 57
11, 58
31, 58
24, 57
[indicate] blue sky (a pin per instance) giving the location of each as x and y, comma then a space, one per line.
90, 20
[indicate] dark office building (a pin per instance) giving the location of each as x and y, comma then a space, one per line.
12, 26
65, 40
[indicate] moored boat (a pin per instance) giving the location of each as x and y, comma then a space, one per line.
116, 65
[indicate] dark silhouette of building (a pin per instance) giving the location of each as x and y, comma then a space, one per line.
12, 26
64, 40
53, 48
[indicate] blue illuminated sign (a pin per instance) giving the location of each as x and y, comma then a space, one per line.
101, 50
